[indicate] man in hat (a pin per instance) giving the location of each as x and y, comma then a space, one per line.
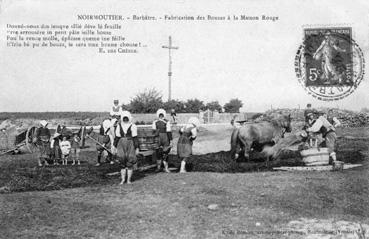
116, 110
327, 129
42, 140
307, 111
163, 130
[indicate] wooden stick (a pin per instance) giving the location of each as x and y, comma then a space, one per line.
99, 143
12, 149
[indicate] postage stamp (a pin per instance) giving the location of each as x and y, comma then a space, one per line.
329, 64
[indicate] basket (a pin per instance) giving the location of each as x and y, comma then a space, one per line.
315, 156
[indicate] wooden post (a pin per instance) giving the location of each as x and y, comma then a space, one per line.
170, 47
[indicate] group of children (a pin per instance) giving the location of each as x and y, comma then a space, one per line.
64, 149
57, 149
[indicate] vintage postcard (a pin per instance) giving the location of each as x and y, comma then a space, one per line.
184, 119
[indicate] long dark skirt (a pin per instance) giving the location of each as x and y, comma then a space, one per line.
43, 149
184, 146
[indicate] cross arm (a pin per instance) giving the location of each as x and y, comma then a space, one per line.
171, 47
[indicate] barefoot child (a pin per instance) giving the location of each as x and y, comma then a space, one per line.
188, 134
75, 150
65, 147
125, 141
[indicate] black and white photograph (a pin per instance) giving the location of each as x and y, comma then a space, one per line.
184, 119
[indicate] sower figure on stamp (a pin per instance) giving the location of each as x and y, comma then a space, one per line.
104, 142
42, 140
327, 51
125, 140
163, 129
327, 127
188, 134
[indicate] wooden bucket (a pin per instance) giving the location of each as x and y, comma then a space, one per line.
338, 165
315, 156
147, 139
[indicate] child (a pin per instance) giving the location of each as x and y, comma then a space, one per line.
188, 134
125, 141
55, 148
65, 147
162, 127
75, 150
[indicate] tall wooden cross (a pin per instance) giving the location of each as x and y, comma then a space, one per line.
170, 47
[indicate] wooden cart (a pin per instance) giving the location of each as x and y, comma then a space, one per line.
12, 139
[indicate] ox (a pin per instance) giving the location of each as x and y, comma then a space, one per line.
258, 135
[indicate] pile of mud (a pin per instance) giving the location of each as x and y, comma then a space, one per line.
22, 175
221, 162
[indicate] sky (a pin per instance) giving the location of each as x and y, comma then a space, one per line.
216, 60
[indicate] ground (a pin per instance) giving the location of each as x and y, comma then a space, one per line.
218, 199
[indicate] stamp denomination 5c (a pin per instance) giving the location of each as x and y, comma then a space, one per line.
329, 64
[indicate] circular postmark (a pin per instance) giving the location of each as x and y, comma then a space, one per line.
329, 64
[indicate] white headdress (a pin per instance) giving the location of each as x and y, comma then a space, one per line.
161, 111
43, 123
106, 124
195, 121
126, 114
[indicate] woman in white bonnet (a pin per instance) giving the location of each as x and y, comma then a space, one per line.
188, 134
162, 128
126, 144
42, 140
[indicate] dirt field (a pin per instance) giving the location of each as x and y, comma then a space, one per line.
218, 199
